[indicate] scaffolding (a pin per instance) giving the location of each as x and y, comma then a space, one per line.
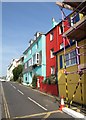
81, 69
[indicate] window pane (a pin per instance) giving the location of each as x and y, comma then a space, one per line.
61, 30
67, 59
61, 62
30, 62
37, 56
26, 78
34, 58
73, 56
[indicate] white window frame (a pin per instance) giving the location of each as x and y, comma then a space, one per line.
30, 62
61, 45
74, 59
71, 19
26, 65
70, 60
35, 59
51, 53
52, 70
51, 36
60, 32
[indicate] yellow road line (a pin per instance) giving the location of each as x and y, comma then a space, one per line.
7, 114
46, 116
39, 114
29, 116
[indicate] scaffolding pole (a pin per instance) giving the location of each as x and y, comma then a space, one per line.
79, 72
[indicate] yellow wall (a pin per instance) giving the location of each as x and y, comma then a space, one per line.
72, 78
81, 16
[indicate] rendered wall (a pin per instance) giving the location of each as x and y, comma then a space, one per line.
50, 89
72, 79
41, 69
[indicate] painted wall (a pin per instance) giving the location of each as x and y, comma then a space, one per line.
50, 89
41, 69
14, 63
72, 79
49, 45
55, 43
25, 75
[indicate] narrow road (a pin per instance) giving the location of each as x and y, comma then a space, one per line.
24, 102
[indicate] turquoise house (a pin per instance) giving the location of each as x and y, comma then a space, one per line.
35, 58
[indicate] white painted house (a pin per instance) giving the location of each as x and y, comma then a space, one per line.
14, 63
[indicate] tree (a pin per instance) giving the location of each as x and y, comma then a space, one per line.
34, 81
17, 72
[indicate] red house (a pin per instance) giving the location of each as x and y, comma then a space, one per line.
54, 42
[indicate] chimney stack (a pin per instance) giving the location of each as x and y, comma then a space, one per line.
54, 23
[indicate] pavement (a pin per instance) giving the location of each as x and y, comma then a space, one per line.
74, 114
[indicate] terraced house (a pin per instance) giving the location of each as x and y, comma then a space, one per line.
54, 42
35, 58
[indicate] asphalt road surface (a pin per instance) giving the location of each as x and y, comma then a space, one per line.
24, 102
